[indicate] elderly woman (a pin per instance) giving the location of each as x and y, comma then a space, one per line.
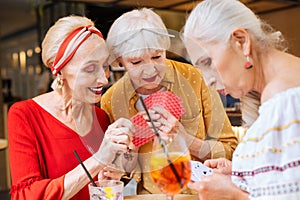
45, 130
138, 41
246, 55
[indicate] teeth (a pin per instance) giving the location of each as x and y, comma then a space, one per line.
98, 89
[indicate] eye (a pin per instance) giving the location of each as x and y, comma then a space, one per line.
105, 66
136, 62
206, 62
90, 68
156, 57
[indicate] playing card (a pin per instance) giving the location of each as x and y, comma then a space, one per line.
143, 133
199, 170
168, 101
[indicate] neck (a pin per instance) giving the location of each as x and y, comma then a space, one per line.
265, 69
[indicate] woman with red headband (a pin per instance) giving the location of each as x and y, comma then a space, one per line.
45, 131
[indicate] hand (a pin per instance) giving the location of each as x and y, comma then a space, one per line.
164, 121
108, 173
220, 165
117, 139
217, 186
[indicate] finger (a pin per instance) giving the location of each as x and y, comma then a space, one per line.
120, 139
212, 163
154, 115
157, 124
162, 111
118, 131
122, 122
113, 175
119, 147
197, 186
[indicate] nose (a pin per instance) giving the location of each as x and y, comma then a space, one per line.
149, 68
103, 77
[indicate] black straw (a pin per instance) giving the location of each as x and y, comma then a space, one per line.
162, 144
86, 171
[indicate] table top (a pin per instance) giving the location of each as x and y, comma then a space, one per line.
161, 197
3, 144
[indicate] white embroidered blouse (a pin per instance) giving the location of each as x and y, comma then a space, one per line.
266, 163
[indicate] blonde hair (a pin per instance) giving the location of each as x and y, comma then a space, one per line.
135, 31
57, 33
212, 21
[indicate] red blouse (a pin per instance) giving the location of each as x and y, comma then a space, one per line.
41, 151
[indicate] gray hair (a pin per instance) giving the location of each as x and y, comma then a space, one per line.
135, 31
212, 21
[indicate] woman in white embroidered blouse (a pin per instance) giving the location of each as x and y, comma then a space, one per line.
227, 40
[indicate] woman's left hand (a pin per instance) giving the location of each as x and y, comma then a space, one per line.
108, 173
217, 186
164, 121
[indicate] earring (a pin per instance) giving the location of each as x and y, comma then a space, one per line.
59, 83
248, 64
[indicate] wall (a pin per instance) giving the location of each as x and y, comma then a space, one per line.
287, 21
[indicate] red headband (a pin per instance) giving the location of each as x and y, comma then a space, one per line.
70, 45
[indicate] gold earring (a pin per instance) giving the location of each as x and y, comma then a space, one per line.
59, 82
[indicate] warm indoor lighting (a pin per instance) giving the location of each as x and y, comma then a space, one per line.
29, 52
30, 70
22, 61
15, 57
38, 69
37, 49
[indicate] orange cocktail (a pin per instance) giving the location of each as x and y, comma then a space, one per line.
163, 175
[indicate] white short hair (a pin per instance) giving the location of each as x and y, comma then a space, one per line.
136, 31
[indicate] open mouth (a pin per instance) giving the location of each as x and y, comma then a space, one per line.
152, 79
96, 90
222, 92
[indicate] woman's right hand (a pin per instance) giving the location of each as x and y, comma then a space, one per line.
117, 139
221, 165
108, 173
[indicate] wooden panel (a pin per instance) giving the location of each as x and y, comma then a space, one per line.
186, 7
264, 6
150, 4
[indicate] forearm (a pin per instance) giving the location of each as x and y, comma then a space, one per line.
198, 148
129, 160
239, 194
76, 179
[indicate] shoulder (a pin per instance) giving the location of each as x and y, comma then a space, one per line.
180, 65
22, 106
188, 71
276, 86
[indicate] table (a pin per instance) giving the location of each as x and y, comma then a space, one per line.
3, 144
161, 197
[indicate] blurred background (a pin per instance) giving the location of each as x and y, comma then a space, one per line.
23, 24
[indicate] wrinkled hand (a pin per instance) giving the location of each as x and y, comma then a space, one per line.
221, 165
117, 139
215, 187
165, 123
108, 173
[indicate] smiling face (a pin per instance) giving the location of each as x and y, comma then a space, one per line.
146, 71
86, 74
221, 66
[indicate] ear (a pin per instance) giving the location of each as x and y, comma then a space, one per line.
241, 38
60, 75
120, 62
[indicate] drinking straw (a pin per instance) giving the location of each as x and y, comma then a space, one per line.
162, 144
86, 171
